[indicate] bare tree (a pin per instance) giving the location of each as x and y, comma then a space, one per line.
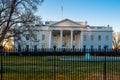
13, 12
116, 40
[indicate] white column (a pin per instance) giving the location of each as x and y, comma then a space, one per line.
81, 40
61, 38
50, 38
71, 39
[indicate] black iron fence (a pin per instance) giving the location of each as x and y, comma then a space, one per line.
62, 51
60, 64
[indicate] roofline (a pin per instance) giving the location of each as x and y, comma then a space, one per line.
65, 20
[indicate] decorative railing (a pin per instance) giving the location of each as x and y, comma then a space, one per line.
61, 51
99, 28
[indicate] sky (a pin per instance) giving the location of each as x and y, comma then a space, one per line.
95, 12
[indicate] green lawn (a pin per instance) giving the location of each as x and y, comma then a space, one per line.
51, 68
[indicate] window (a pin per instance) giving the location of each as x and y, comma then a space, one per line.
18, 37
43, 45
91, 37
35, 37
74, 37
35, 48
107, 37
99, 38
27, 36
106, 46
19, 47
84, 37
84, 46
99, 47
92, 46
43, 37
27, 48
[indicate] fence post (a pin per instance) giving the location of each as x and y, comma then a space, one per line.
1, 71
104, 76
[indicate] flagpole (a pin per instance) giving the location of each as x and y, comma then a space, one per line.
62, 11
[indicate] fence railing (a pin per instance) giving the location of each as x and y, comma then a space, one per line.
62, 51
60, 64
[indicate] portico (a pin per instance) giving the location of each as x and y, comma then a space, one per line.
64, 38
65, 34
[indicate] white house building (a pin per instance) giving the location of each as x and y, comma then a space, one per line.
68, 34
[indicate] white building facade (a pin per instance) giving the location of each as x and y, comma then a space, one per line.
68, 34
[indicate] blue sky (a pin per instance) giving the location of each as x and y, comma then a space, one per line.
95, 12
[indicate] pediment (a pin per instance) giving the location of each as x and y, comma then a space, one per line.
66, 23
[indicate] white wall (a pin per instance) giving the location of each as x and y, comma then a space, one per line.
96, 42
44, 30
